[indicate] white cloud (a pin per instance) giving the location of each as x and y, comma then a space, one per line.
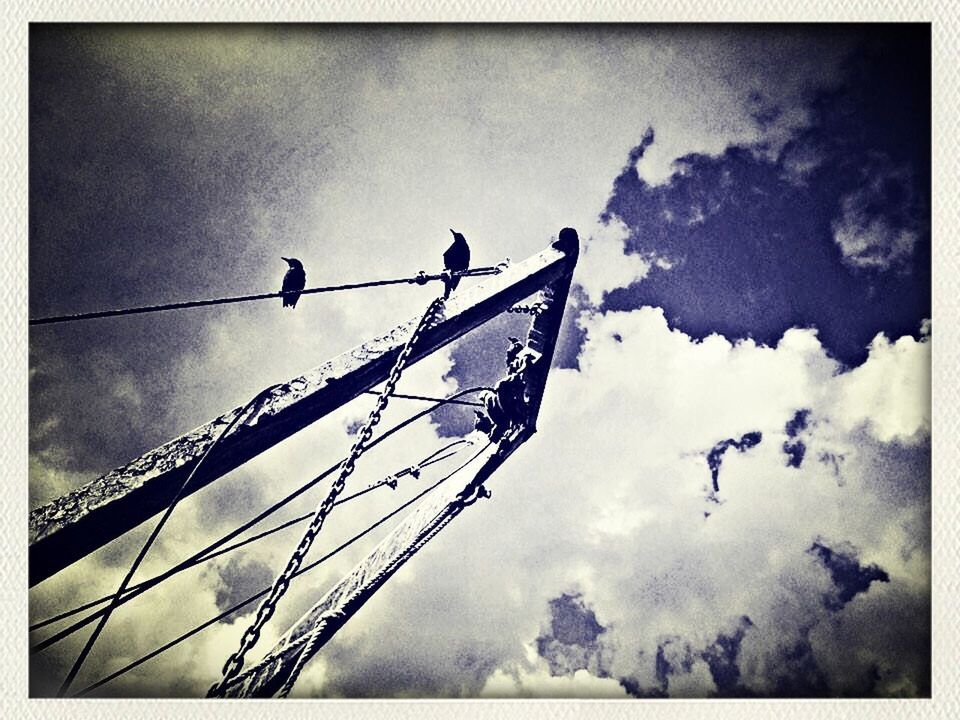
539, 683
800, 160
608, 499
890, 393
615, 510
876, 230
603, 264
871, 243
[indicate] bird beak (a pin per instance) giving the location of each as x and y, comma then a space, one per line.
283, 258
452, 230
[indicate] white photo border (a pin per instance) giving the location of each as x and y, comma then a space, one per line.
945, 701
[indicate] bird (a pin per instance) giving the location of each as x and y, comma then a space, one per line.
294, 280
455, 259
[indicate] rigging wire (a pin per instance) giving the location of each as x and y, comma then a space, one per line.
251, 635
419, 279
313, 637
105, 615
303, 570
202, 558
469, 403
197, 557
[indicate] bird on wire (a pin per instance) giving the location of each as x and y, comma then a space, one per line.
456, 258
293, 282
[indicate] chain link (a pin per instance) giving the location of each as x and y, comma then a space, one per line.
252, 634
536, 309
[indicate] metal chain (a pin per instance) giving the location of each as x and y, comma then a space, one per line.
252, 634
536, 309
464, 499
432, 529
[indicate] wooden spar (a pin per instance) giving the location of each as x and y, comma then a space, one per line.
338, 605
74, 525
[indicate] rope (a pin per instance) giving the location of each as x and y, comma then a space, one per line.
78, 663
419, 279
243, 603
250, 636
196, 558
308, 650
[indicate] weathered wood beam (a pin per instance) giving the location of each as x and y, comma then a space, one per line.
85, 519
545, 331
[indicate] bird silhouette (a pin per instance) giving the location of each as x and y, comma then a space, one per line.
295, 279
456, 258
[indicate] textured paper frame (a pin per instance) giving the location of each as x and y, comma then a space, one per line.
945, 442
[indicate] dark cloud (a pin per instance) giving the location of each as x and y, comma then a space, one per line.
715, 456
240, 578
794, 447
832, 233
798, 674
764, 112
902, 473
849, 576
636, 154
573, 641
572, 623
797, 423
114, 163
722, 657
633, 686
680, 660
137, 196
361, 672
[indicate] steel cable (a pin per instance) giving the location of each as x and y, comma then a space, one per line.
198, 557
419, 279
303, 570
250, 636
115, 601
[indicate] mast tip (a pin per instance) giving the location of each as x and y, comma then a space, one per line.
568, 241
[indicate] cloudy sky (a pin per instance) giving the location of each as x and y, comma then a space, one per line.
729, 492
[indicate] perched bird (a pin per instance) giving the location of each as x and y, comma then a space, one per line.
456, 258
295, 279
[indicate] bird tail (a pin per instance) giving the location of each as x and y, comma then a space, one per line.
449, 285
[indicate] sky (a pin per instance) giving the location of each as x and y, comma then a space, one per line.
729, 491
